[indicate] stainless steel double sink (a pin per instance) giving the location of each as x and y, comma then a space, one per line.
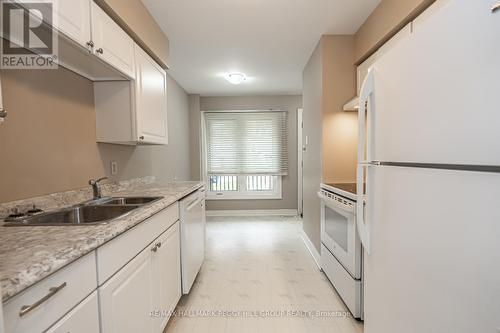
99, 211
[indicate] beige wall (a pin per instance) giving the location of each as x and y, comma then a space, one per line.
329, 80
134, 17
47, 143
290, 103
340, 132
312, 119
385, 21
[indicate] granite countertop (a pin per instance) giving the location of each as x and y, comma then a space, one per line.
29, 254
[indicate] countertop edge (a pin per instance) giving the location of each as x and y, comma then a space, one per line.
11, 290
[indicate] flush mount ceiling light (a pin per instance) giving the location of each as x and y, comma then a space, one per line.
236, 78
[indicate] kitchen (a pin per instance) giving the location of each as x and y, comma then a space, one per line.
186, 183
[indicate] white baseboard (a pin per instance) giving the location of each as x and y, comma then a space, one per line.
259, 212
312, 249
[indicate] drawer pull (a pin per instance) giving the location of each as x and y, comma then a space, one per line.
25, 309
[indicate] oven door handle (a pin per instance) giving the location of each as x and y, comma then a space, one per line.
332, 203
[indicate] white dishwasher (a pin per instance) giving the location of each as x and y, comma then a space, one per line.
192, 216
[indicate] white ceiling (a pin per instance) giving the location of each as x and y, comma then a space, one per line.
268, 40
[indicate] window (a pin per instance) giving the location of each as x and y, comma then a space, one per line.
245, 154
244, 187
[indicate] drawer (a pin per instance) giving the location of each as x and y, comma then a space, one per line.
74, 282
82, 319
348, 288
119, 251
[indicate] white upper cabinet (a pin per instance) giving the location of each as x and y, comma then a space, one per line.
151, 99
133, 112
363, 70
365, 66
73, 20
111, 43
402, 34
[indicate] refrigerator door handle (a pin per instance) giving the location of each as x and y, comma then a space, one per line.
364, 155
365, 112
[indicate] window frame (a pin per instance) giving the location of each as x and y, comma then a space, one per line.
242, 193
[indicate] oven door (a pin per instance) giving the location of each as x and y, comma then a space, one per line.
338, 234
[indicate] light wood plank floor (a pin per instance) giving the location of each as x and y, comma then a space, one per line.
259, 269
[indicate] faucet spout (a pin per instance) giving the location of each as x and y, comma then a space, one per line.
96, 187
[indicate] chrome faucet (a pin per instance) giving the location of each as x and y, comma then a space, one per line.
96, 187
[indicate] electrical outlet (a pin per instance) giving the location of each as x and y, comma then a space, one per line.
114, 167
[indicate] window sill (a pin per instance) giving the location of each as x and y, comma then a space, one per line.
211, 196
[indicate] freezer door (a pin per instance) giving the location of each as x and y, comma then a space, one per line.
437, 91
434, 265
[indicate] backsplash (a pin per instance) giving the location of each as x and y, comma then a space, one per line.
70, 198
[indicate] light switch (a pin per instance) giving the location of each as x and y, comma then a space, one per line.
114, 167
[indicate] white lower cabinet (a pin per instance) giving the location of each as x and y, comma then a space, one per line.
82, 319
166, 276
43, 304
138, 297
147, 285
126, 298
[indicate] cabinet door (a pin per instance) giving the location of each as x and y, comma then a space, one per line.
125, 300
111, 43
401, 35
151, 100
363, 68
82, 319
73, 19
167, 275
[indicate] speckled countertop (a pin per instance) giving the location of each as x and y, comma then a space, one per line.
29, 254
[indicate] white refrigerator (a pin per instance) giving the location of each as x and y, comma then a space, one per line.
430, 155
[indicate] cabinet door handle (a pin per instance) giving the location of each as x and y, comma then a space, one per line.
90, 43
156, 247
100, 50
25, 309
3, 113
495, 8
141, 137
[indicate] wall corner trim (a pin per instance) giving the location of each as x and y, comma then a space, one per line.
311, 248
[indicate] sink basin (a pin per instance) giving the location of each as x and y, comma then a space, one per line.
129, 200
80, 215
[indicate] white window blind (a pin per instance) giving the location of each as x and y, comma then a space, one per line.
246, 143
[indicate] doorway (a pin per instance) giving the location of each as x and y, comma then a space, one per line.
300, 163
